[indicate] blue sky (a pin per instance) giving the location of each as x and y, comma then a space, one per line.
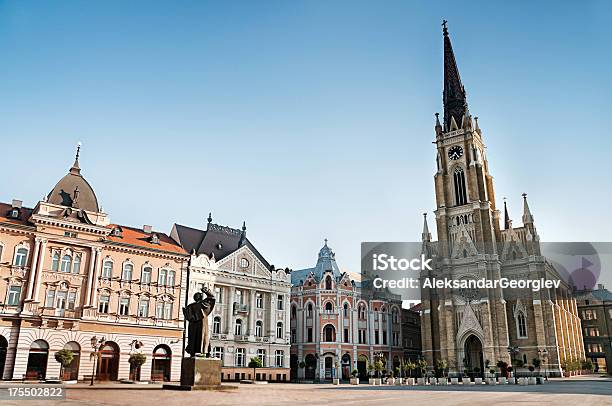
306, 119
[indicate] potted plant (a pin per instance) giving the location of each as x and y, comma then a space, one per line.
136, 361
410, 366
477, 379
355, 377
255, 363
379, 367
398, 375
422, 368
336, 377
491, 380
370, 373
532, 379
64, 357
440, 371
511, 379
391, 378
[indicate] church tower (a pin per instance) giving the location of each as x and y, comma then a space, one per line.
465, 328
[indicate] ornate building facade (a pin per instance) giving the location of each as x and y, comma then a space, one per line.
338, 324
251, 317
467, 327
68, 274
595, 310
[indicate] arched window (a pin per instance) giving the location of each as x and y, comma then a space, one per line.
293, 312
66, 260
55, 263
37, 359
238, 328
328, 282
346, 310
258, 328
460, 191
128, 270
107, 269
76, 264
329, 307
329, 333
309, 310
217, 325
279, 330
362, 312
394, 316
146, 274
21, 257
521, 325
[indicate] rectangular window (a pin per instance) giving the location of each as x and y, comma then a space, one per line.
13, 295
309, 334
71, 300
259, 300
103, 306
280, 302
240, 357
162, 277
168, 311
261, 354
107, 269
376, 339
124, 306
143, 308
76, 264
279, 355
346, 335
384, 335
159, 310
50, 298
217, 352
218, 294
293, 336
146, 275
170, 278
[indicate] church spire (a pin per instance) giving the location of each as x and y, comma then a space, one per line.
455, 102
527, 216
506, 216
426, 235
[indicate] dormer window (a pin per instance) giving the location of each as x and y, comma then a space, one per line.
244, 263
154, 239
117, 232
15, 213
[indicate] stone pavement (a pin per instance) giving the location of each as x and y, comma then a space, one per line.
586, 392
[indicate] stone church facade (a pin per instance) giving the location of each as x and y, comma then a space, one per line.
468, 327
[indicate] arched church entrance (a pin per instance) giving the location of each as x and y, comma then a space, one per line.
473, 356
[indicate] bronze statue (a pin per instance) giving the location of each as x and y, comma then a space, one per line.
196, 314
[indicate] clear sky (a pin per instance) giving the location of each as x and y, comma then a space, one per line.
306, 119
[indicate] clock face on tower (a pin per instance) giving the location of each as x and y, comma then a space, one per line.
455, 152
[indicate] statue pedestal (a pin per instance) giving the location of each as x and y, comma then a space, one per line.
201, 372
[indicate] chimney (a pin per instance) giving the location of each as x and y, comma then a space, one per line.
600, 286
147, 229
17, 204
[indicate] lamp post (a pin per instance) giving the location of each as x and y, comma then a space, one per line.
544, 357
96, 344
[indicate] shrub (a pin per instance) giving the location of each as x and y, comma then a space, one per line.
64, 357
355, 373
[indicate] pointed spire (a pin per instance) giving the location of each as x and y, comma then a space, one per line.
209, 217
75, 169
455, 103
527, 216
426, 235
476, 121
243, 226
507, 220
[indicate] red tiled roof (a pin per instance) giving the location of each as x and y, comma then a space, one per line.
137, 237
5, 209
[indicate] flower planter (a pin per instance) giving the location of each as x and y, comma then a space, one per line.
478, 381
454, 381
523, 381
442, 381
354, 381
532, 380
420, 381
433, 381
491, 381
512, 381
336, 381
399, 381
468, 381
390, 381
409, 381
502, 380
371, 381
540, 380
377, 381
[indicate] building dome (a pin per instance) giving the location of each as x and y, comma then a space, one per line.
74, 191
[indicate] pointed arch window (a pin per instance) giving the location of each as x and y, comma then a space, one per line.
521, 325
459, 183
328, 283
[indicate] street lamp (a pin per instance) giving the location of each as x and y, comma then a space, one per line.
544, 356
96, 344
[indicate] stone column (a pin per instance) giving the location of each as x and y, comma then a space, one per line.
96, 276
39, 269
230, 311
90, 276
252, 314
33, 269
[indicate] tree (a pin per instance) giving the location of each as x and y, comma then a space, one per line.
422, 366
370, 369
136, 361
64, 357
440, 369
379, 366
255, 363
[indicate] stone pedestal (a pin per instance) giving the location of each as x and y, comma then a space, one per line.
201, 372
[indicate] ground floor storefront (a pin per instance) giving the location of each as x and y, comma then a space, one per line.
27, 352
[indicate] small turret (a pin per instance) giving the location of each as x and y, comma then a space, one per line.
426, 235
527, 216
507, 221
